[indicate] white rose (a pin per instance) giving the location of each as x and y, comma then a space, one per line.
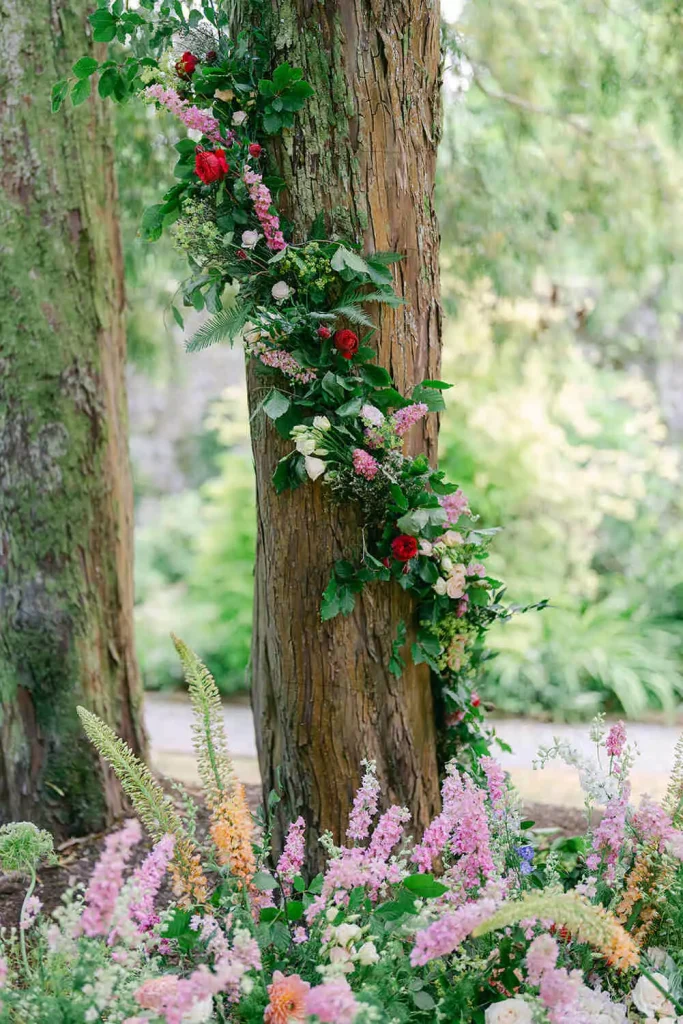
452, 538
305, 445
455, 585
314, 467
648, 999
321, 423
367, 954
239, 117
510, 1011
280, 291
347, 933
426, 548
440, 586
250, 238
446, 564
372, 415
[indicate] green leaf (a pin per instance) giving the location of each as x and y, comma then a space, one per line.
431, 397
423, 1001
295, 910
108, 82
424, 886
177, 316
85, 67
299, 884
276, 405
80, 91
223, 326
527, 824
440, 385
345, 258
398, 497
152, 223
375, 375
59, 93
272, 123
177, 924
264, 881
350, 408
330, 603
269, 914
104, 25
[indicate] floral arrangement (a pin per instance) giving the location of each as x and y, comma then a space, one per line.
301, 310
481, 920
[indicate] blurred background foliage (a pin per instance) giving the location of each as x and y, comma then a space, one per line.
561, 206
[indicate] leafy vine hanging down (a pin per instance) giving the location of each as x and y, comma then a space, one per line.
301, 312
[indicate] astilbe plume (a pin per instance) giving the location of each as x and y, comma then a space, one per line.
152, 805
135, 915
449, 931
584, 922
230, 825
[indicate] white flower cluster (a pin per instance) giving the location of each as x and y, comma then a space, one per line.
344, 948
309, 442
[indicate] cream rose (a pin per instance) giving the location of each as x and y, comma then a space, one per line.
280, 291
440, 586
510, 1011
455, 584
367, 954
314, 467
250, 239
321, 423
239, 117
648, 999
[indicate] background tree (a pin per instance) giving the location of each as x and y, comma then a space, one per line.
65, 492
363, 154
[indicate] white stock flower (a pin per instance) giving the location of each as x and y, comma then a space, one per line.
280, 291
250, 239
347, 933
239, 117
509, 1011
321, 423
367, 954
200, 1012
314, 467
305, 445
648, 999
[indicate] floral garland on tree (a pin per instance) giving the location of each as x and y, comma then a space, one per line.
299, 309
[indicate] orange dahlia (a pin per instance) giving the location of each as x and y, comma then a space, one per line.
287, 999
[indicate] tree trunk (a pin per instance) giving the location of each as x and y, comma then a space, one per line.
66, 632
364, 153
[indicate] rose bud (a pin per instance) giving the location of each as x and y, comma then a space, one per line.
254, 149
346, 343
241, 255
404, 548
324, 332
476, 699
211, 57
211, 165
185, 67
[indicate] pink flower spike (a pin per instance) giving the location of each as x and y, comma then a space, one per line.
107, 879
333, 1002
262, 200
405, 418
364, 804
364, 464
292, 859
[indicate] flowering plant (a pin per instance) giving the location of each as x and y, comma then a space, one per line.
300, 307
479, 920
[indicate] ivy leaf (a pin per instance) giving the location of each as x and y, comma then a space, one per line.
80, 91
59, 93
276, 405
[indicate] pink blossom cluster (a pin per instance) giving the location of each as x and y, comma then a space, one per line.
280, 359
404, 418
616, 740
262, 200
107, 879
559, 990
364, 464
455, 505
29, 912
333, 1002
495, 782
652, 824
191, 116
446, 933
292, 859
608, 838
172, 998
364, 804
146, 882
388, 832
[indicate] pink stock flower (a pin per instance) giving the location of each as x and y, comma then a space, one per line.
560, 991
333, 1002
541, 956
292, 859
616, 740
29, 912
146, 882
107, 879
455, 505
287, 1002
388, 832
404, 418
364, 804
173, 998
262, 200
495, 781
448, 932
280, 359
652, 824
608, 838
191, 116
364, 464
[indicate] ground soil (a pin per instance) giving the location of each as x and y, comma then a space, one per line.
77, 857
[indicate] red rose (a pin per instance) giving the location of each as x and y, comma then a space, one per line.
346, 343
324, 332
404, 548
476, 699
186, 65
254, 149
211, 165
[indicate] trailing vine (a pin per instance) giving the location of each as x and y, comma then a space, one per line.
300, 308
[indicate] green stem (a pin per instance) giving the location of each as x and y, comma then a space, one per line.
22, 931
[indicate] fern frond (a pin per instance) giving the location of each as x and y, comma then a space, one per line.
151, 804
585, 922
354, 314
222, 326
208, 731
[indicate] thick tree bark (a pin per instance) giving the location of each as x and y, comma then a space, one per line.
364, 154
66, 633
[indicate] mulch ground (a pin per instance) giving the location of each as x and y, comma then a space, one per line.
77, 857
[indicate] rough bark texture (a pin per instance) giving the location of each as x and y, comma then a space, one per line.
66, 633
364, 152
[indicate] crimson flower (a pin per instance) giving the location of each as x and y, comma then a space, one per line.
324, 332
404, 548
241, 255
185, 67
254, 149
346, 343
211, 165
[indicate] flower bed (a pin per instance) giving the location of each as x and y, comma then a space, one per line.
480, 919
